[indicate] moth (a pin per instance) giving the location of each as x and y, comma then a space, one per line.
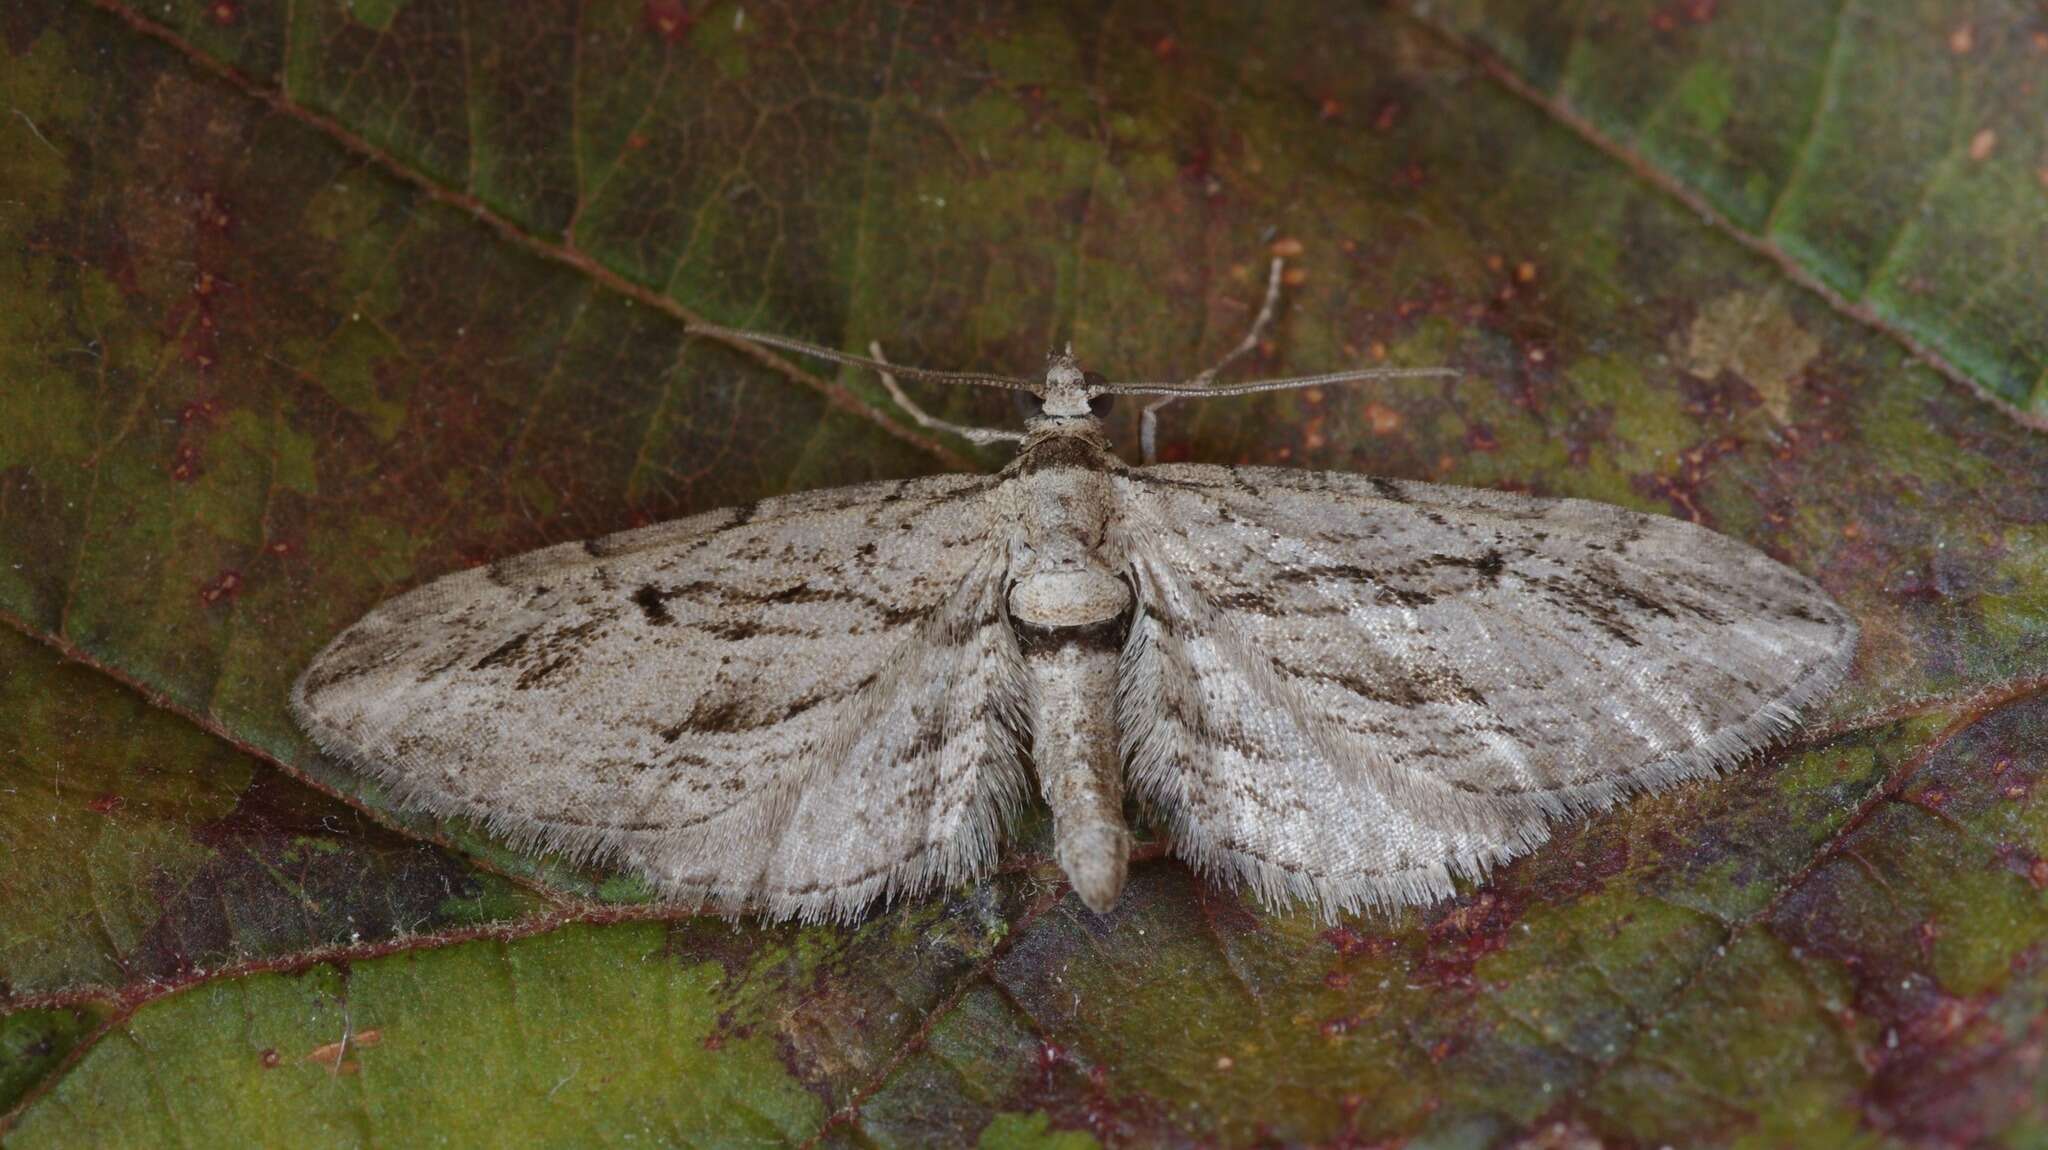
1342, 689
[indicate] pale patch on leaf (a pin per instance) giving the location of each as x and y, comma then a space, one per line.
1752, 335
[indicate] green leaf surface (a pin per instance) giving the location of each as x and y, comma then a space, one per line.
303, 304
142, 849
1891, 154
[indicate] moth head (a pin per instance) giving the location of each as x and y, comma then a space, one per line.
1070, 392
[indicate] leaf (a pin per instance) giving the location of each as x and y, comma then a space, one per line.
1888, 158
309, 303
142, 849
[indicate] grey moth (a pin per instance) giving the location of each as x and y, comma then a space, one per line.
1326, 687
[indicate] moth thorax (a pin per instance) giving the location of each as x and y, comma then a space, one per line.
1051, 599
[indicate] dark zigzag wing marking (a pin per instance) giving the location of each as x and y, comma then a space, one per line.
934, 772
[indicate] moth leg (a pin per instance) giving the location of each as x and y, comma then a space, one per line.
1148, 419
930, 423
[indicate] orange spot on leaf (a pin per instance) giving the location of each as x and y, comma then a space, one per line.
334, 1055
214, 212
224, 586
1381, 419
185, 464
669, 19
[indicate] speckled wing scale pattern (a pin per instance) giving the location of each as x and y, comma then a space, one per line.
1331, 688
1351, 690
802, 705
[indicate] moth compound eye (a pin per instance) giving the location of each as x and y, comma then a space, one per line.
1029, 405
1101, 406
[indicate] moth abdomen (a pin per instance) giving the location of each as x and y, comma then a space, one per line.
1075, 750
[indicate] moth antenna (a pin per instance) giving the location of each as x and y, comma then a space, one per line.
1203, 384
815, 351
976, 435
1297, 381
